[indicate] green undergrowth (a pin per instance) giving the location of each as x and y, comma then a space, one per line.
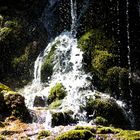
99, 132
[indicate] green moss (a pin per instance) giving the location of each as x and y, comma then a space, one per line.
100, 54
57, 92
16, 106
43, 134
118, 133
107, 130
47, 66
100, 121
117, 81
101, 61
4, 88
55, 104
128, 135
75, 135
62, 118
109, 110
89, 128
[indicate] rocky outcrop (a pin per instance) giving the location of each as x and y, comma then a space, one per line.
13, 104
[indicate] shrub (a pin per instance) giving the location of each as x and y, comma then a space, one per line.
75, 135
57, 92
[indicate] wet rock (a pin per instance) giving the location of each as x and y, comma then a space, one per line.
39, 101
62, 118
16, 106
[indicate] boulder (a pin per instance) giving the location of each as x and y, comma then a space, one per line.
39, 101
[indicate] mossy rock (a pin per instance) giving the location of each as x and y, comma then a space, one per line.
62, 118
76, 135
107, 130
117, 81
117, 133
92, 129
109, 110
16, 106
43, 134
57, 92
47, 66
55, 104
101, 121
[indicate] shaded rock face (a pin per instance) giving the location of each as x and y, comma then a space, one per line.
39, 101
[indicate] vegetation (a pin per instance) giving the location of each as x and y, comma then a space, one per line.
47, 67
76, 135
43, 134
13, 103
62, 118
101, 132
55, 104
100, 121
109, 110
57, 92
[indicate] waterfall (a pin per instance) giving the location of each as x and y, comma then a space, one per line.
67, 70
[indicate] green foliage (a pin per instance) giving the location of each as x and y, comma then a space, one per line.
75, 135
57, 92
21, 59
109, 110
4, 32
101, 121
43, 134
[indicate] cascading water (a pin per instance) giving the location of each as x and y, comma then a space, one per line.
67, 69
